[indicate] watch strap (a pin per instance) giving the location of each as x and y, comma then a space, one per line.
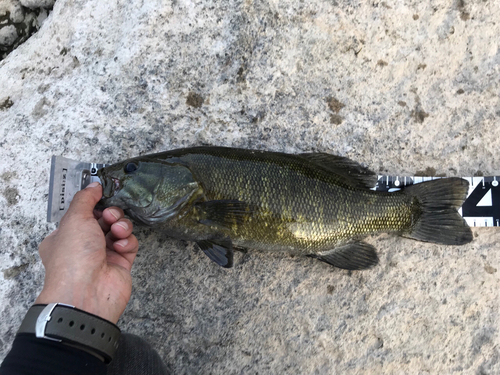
67, 324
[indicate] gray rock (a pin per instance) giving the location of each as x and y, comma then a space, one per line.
12, 10
35, 4
8, 35
17, 24
397, 86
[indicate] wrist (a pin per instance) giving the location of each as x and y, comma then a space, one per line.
78, 298
72, 327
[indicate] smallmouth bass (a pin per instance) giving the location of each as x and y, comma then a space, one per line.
313, 204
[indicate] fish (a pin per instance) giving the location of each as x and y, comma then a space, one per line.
313, 204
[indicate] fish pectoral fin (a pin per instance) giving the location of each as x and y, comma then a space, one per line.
224, 213
354, 173
220, 251
350, 256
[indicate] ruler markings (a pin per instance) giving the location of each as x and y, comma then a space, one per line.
481, 208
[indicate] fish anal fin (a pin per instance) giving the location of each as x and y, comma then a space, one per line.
350, 256
354, 173
219, 251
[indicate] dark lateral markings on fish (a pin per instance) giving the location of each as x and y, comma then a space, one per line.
312, 204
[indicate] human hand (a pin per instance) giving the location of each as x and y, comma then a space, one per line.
88, 258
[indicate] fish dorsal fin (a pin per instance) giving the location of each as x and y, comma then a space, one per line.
219, 251
350, 256
354, 173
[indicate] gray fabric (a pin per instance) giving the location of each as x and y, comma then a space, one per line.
135, 356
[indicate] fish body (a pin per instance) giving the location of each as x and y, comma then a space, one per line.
312, 204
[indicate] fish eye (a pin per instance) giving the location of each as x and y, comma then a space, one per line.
130, 167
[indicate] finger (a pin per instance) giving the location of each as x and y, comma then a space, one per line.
110, 216
119, 230
127, 248
84, 201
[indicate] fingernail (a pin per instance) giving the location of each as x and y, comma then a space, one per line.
122, 243
92, 185
115, 213
123, 224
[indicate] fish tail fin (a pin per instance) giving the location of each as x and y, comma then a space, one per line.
438, 202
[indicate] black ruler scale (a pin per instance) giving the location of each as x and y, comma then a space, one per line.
480, 209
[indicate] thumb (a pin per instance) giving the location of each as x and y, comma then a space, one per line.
84, 201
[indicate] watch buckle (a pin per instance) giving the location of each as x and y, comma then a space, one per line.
45, 317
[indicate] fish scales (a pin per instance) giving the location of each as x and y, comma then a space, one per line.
298, 208
313, 204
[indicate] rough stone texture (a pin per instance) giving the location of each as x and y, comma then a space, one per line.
34, 4
8, 35
401, 86
18, 23
13, 9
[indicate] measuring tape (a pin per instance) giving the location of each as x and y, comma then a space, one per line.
481, 208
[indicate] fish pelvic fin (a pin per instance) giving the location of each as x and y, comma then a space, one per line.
354, 173
350, 256
219, 251
437, 202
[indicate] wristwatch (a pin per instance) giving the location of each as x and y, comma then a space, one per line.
69, 325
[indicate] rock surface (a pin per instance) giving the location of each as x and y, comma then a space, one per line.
19, 20
399, 86
34, 4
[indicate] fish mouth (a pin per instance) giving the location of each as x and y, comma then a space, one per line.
110, 186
